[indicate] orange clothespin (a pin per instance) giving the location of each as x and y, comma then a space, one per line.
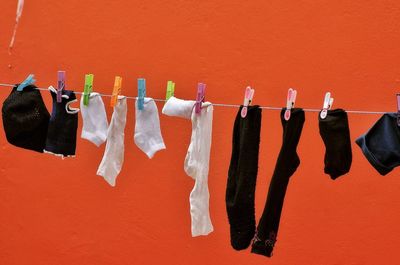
116, 91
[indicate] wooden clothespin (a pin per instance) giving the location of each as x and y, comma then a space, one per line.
291, 99
201, 94
116, 91
248, 97
28, 81
141, 92
88, 88
60, 85
170, 90
328, 101
398, 108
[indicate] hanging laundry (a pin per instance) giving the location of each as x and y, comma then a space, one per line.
113, 157
242, 177
63, 125
335, 132
381, 144
197, 159
175, 107
286, 165
94, 118
147, 128
25, 118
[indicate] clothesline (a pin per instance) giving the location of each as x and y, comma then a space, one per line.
229, 105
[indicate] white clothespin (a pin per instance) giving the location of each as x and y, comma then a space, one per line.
328, 101
248, 97
291, 99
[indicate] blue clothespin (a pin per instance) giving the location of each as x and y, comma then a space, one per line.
141, 92
60, 85
28, 81
201, 94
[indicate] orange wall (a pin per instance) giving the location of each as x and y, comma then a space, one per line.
57, 211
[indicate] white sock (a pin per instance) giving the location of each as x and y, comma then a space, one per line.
147, 128
197, 160
113, 157
178, 108
197, 166
94, 118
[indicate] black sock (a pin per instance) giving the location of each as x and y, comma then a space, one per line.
335, 133
242, 177
286, 165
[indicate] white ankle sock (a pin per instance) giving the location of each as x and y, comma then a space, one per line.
113, 158
147, 128
94, 118
178, 108
197, 159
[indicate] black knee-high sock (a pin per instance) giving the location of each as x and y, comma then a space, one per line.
242, 177
286, 165
335, 133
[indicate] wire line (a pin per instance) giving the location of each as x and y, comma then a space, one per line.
229, 105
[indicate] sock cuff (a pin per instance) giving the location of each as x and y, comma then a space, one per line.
335, 120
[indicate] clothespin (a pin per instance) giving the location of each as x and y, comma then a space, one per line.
88, 88
141, 92
291, 99
248, 97
28, 81
328, 101
398, 108
201, 94
60, 85
116, 91
170, 90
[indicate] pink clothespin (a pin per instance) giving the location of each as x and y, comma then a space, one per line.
60, 85
398, 108
248, 97
328, 101
291, 99
201, 94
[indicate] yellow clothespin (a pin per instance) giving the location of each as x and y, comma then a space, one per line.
170, 89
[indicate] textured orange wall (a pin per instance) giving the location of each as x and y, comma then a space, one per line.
57, 211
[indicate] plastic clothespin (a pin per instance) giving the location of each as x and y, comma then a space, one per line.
201, 95
248, 97
28, 81
88, 88
60, 85
291, 99
141, 92
170, 90
398, 108
328, 101
116, 91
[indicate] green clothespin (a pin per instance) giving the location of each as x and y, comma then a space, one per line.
88, 88
170, 89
